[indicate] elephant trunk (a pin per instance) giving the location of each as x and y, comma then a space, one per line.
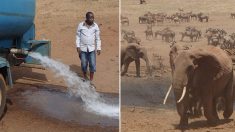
179, 86
181, 101
148, 65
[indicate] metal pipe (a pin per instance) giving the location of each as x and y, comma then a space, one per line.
32, 66
19, 51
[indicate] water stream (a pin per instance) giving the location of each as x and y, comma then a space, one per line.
77, 87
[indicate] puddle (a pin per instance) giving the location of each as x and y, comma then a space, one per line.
61, 106
147, 92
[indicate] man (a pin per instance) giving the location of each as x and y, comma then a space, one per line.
88, 44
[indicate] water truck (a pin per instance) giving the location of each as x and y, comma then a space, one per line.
17, 39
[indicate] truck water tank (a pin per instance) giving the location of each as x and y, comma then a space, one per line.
16, 17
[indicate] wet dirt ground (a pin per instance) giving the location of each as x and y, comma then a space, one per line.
58, 104
45, 106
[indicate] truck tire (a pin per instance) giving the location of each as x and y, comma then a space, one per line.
2, 95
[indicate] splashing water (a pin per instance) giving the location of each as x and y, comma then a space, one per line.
78, 88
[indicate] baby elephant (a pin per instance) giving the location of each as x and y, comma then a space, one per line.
133, 52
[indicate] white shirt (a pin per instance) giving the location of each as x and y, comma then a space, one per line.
88, 37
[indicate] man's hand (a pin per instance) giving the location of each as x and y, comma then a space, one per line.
98, 52
79, 52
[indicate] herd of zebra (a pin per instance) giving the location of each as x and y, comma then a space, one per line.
214, 36
178, 17
219, 37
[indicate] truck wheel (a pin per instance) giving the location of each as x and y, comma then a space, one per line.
2, 95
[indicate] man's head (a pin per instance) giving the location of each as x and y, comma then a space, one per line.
89, 18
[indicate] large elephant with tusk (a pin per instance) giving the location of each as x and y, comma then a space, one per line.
204, 74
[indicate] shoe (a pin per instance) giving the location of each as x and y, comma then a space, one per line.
84, 79
92, 85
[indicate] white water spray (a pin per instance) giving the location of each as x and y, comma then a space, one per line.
77, 87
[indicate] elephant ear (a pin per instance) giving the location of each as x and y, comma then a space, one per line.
213, 61
132, 51
142, 53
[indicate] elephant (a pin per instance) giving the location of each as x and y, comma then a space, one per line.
202, 75
194, 104
133, 52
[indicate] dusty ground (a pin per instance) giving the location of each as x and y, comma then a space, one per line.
142, 98
57, 21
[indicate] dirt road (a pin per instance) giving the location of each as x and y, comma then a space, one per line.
57, 21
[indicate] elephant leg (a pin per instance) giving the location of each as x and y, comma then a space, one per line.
208, 109
214, 109
183, 122
126, 65
137, 65
198, 111
191, 108
228, 99
182, 111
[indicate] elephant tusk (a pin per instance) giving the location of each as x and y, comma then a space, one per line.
167, 94
182, 96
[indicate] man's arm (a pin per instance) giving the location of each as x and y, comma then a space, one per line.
97, 40
78, 39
